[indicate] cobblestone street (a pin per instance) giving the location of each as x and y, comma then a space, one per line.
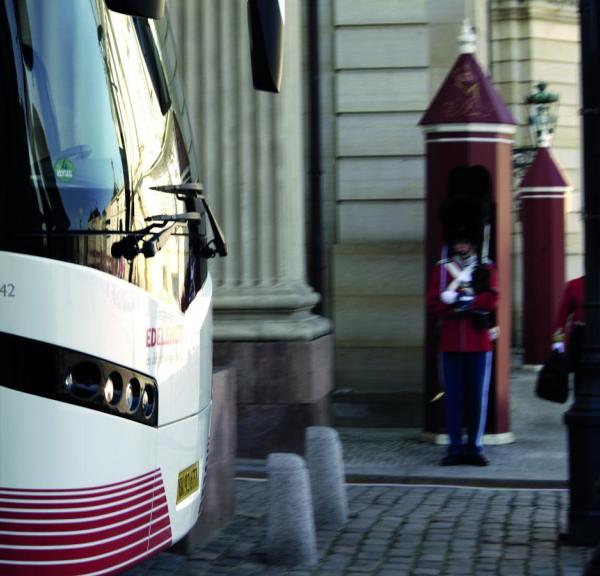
397, 530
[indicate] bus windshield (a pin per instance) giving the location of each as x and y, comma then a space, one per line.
77, 164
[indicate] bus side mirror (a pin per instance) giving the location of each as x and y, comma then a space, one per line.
266, 24
154, 9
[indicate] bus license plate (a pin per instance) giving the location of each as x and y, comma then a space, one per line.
188, 482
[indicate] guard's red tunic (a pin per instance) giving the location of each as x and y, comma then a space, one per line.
570, 310
457, 332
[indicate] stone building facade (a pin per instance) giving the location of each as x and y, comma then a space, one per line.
379, 65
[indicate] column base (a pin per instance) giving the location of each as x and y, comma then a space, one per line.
488, 439
283, 388
267, 428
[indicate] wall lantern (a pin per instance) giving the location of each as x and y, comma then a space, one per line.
543, 115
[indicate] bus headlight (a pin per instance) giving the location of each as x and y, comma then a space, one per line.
68, 383
109, 391
80, 379
132, 395
83, 380
113, 389
148, 400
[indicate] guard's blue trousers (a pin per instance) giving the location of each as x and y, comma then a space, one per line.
466, 381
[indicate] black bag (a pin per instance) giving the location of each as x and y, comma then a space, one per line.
553, 379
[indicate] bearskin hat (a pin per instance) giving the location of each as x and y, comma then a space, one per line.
467, 208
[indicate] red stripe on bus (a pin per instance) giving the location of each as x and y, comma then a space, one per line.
26, 539
89, 550
158, 525
41, 502
60, 492
137, 503
107, 565
47, 545
90, 524
58, 526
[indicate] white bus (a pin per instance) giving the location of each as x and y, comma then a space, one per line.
105, 299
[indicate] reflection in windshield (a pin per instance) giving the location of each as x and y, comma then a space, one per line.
102, 131
76, 158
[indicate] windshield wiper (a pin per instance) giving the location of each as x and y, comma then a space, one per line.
159, 231
187, 191
193, 191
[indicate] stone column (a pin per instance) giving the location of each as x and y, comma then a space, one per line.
251, 148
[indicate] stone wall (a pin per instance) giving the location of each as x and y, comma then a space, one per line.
387, 61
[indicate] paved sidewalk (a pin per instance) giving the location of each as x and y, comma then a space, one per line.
537, 458
421, 519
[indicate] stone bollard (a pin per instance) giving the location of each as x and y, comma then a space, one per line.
291, 536
327, 476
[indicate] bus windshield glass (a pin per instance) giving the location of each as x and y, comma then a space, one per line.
77, 164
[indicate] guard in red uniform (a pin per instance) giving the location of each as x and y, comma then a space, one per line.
463, 295
570, 320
